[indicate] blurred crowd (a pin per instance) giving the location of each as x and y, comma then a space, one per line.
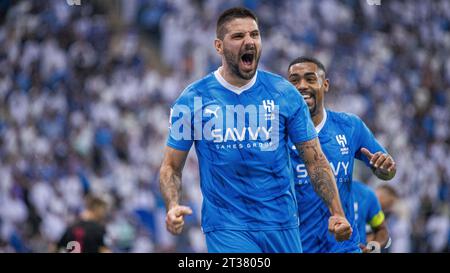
85, 92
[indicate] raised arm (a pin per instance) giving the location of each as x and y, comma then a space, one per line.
170, 186
324, 184
382, 164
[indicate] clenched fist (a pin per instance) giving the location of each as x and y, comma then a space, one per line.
175, 218
340, 227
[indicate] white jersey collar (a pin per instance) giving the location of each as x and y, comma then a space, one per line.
322, 123
233, 88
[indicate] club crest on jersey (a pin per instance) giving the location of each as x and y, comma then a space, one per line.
342, 141
269, 106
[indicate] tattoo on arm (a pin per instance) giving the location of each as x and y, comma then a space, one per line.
170, 186
322, 182
170, 176
383, 175
320, 173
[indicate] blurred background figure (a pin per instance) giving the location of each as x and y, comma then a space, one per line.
396, 217
87, 234
387, 196
85, 93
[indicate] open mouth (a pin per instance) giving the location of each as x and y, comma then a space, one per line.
308, 97
247, 59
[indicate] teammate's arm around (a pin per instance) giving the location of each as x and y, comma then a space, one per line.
170, 185
324, 184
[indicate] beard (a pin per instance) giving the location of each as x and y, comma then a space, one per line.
233, 61
311, 102
313, 110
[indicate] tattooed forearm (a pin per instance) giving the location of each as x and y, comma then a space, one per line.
309, 152
170, 176
320, 173
323, 184
170, 186
384, 175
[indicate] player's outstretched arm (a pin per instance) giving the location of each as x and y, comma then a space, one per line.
324, 185
170, 185
383, 165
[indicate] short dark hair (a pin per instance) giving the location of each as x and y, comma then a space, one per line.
230, 14
93, 202
389, 189
306, 59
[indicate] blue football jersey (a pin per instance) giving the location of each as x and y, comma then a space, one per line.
367, 209
341, 136
243, 156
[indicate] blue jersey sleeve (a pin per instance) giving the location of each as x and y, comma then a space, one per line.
373, 205
299, 124
375, 215
181, 134
365, 139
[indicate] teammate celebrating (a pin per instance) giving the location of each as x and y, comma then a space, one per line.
368, 212
240, 119
343, 138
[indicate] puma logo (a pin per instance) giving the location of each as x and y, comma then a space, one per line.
212, 112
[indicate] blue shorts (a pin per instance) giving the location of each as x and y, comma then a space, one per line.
315, 243
263, 241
